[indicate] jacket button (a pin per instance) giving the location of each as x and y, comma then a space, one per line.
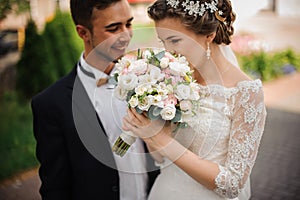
115, 188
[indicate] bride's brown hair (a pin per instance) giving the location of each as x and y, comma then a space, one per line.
204, 25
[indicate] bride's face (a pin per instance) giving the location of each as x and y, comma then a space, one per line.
177, 38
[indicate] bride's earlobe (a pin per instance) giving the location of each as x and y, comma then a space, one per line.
211, 37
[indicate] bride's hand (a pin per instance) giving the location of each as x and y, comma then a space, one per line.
156, 133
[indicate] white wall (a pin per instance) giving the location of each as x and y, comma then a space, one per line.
288, 7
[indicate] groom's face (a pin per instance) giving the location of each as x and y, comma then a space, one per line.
112, 30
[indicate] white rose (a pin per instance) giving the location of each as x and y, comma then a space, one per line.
133, 102
185, 106
141, 89
168, 112
138, 67
120, 93
178, 69
128, 81
183, 91
164, 62
145, 103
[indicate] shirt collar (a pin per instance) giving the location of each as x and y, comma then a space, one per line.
97, 73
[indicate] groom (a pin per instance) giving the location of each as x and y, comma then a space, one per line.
75, 129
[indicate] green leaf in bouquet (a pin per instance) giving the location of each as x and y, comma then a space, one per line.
180, 125
154, 112
160, 55
138, 110
116, 75
113, 81
168, 81
139, 54
177, 117
129, 95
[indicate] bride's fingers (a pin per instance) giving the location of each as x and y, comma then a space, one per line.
127, 126
131, 117
141, 117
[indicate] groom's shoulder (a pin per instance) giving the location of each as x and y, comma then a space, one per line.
57, 89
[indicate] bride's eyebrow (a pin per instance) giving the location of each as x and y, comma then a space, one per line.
171, 37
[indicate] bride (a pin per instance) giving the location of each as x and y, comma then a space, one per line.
213, 157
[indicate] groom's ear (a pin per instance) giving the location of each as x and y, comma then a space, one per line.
211, 37
83, 33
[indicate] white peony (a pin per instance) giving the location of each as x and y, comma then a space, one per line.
128, 81
155, 74
168, 112
183, 91
138, 67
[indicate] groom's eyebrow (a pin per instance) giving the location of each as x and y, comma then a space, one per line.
118, 23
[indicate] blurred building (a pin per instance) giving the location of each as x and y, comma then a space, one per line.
42, 10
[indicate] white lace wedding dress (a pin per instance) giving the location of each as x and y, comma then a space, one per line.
226, 130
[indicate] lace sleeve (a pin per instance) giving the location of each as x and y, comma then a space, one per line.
246, 131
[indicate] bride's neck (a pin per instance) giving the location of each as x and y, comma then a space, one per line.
211, 70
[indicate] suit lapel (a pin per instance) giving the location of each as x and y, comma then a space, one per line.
88, 127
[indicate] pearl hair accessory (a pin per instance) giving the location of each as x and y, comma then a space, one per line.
196, 9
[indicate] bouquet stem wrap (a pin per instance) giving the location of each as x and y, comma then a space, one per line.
122, 144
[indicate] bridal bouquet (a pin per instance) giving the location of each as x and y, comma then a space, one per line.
156, 82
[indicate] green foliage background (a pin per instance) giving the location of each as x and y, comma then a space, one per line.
48, 56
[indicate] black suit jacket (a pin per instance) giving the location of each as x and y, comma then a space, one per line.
69, 169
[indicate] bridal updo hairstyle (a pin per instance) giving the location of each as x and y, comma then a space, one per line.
204, 25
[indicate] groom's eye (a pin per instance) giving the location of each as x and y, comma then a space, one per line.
113, 30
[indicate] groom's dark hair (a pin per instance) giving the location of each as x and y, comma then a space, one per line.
82, 10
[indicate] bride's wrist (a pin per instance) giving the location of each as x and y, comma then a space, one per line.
173, 150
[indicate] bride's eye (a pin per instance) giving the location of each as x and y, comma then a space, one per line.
175, 41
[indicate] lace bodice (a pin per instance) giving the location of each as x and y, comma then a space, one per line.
227, 129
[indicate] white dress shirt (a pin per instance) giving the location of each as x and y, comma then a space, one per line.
132, 166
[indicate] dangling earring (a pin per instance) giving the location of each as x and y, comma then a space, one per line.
208, 51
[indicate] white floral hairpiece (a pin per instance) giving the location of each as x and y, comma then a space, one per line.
194, 8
